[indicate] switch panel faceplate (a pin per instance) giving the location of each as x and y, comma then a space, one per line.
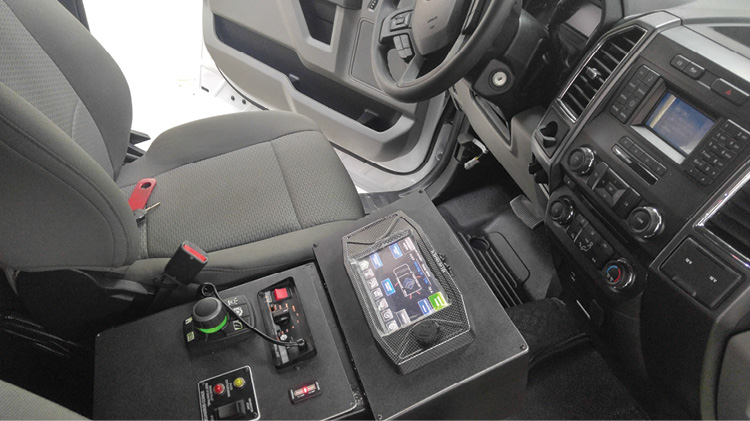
229, 396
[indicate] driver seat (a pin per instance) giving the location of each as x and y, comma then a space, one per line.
254, 190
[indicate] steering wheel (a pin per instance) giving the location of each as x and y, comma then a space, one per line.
445, 38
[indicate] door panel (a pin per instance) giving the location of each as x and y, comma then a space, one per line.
313, 57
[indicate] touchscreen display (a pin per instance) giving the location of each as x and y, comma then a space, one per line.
678, 123
400, 286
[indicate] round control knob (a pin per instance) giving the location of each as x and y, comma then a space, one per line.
618, 274
562, 211
645, 222
209, 315
581, 161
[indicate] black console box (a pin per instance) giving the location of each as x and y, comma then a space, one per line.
485, 379
144, 370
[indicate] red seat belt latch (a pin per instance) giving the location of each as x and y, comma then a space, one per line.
141, 193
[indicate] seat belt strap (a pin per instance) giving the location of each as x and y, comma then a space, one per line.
141, 193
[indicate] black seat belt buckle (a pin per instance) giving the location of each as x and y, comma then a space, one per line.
186, 263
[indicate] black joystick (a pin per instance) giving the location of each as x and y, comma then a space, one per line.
209, 315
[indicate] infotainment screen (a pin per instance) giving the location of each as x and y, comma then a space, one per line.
678, 123
400, 286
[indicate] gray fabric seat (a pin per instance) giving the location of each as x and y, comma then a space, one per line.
255, 190
19, 404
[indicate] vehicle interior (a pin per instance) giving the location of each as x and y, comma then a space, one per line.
442, 209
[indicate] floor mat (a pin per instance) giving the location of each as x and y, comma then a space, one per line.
577, 384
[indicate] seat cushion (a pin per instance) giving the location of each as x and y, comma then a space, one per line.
277, 177
19, 404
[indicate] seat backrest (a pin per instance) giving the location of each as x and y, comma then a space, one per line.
65, 116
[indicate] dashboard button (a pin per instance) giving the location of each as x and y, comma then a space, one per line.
630, 87
599, 170
640, 74
616, 109
641, 91
627, 203
605, 249
626, 142
694, 70
730, 92
650, 78
698, 269
699, 176
569, 182
575, 227
679, 62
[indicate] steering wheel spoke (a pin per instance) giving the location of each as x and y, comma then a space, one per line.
413, 68
446, 39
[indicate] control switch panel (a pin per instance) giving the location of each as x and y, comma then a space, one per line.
285, 320
229, 396
700, 274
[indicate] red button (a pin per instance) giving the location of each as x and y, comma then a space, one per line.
218, 389
280, 294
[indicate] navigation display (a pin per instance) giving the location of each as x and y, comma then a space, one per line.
400, 286
678, 123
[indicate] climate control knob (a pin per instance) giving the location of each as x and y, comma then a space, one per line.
618, 274
562, 211
581, 161
645, 222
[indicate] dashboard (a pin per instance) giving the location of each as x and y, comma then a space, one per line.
647, 152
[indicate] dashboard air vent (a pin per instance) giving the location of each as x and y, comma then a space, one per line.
599, 68
731, 222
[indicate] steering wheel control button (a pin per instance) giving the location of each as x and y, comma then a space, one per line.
618, 274
403, 46
700, 274
401, 21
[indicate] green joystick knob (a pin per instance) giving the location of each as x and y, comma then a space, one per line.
209, 315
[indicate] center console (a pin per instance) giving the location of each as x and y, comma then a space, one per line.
658, 135
392, 320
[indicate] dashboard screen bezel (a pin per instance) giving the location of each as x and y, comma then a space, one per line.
665, 105
639, 125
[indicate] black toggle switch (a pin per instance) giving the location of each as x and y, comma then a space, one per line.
232, 411
281, 316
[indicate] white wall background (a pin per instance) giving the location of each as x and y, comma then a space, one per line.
158, 44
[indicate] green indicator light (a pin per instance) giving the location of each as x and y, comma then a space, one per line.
215, 329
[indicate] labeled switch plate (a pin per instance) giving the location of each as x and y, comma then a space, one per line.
210, 402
